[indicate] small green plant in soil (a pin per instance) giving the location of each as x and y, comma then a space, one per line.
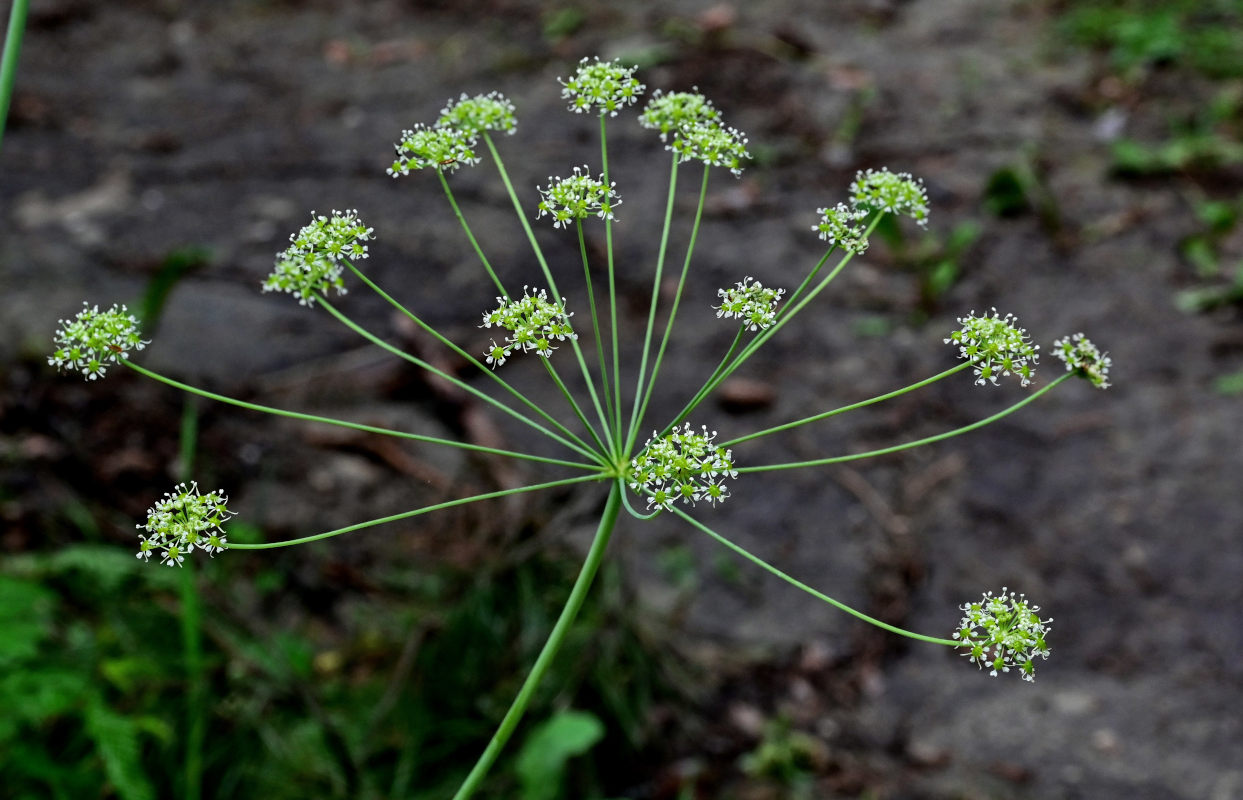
645, 461
1140, 35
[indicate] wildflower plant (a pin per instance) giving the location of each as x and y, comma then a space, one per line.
681, 465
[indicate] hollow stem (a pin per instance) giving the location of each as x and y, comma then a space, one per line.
8, 63
469, 235
280, 412
595, 326
577, 446
608, 246
754, 559
461, 501
572, 606
819, 462
862, 403
485, 369
552, 283
641, 408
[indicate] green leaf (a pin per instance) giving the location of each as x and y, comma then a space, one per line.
542, 761
106, 565
35, 696
25, 619
116, 740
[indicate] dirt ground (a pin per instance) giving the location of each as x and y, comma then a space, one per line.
143, 127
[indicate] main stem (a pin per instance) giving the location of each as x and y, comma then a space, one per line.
572, 606
8, 62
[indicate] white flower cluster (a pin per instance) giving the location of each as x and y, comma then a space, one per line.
1080, 354
891, 192
577, 197
182, 521
602, 86
533, 321
841, 226
1003, 632
441, 148
682, 465
750, 302
93, 339
996, 346
312, 263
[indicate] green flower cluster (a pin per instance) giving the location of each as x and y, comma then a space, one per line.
1003, 632
312, 263
602, 86
576, 197
533, 321
996, 346
841, 226
712, 143
682, 465
673, 111
893, 193
441, 148
697, 130
750, 302
483, 112
93, 339
182, 521
1079, 353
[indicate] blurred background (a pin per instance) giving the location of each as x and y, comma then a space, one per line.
1084, 159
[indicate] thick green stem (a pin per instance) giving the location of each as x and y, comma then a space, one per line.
572, 606
754, 559
8, 64
820, 462
192, 629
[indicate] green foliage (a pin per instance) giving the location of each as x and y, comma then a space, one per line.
93, 686
787, 756
935, 260
543, 759
1202, 35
